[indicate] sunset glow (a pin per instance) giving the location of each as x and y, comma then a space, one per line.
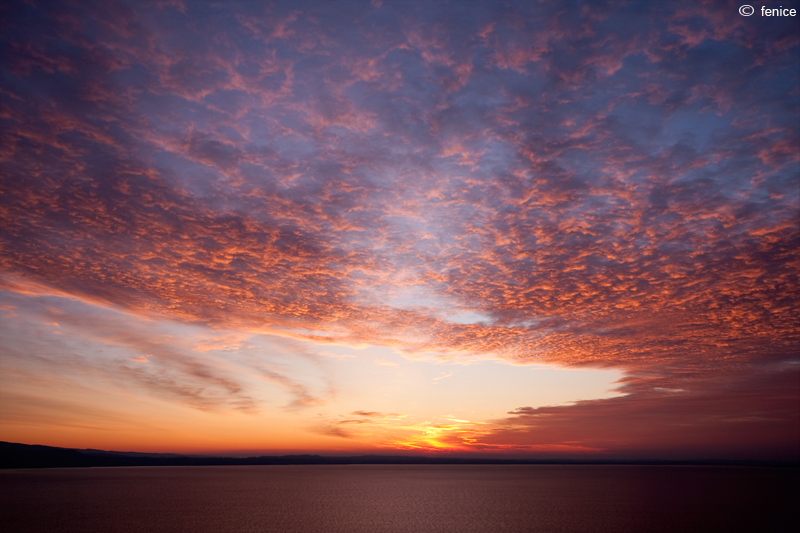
539, 229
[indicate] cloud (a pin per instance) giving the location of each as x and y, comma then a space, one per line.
332, 431
443, 376
174, 371
366, 413
376, 414
717, 419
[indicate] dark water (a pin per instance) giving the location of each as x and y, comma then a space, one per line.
408, 499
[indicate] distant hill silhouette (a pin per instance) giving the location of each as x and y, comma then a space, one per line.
15, 455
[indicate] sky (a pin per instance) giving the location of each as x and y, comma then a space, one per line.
508, 228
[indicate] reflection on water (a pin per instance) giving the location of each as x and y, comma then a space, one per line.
392, 498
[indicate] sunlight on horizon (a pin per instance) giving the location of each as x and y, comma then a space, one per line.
310, 388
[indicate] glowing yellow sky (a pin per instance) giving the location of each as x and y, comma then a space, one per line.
79, 375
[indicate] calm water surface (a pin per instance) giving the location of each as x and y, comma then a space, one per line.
408, 499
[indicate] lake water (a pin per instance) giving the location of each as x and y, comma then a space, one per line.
395, 498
